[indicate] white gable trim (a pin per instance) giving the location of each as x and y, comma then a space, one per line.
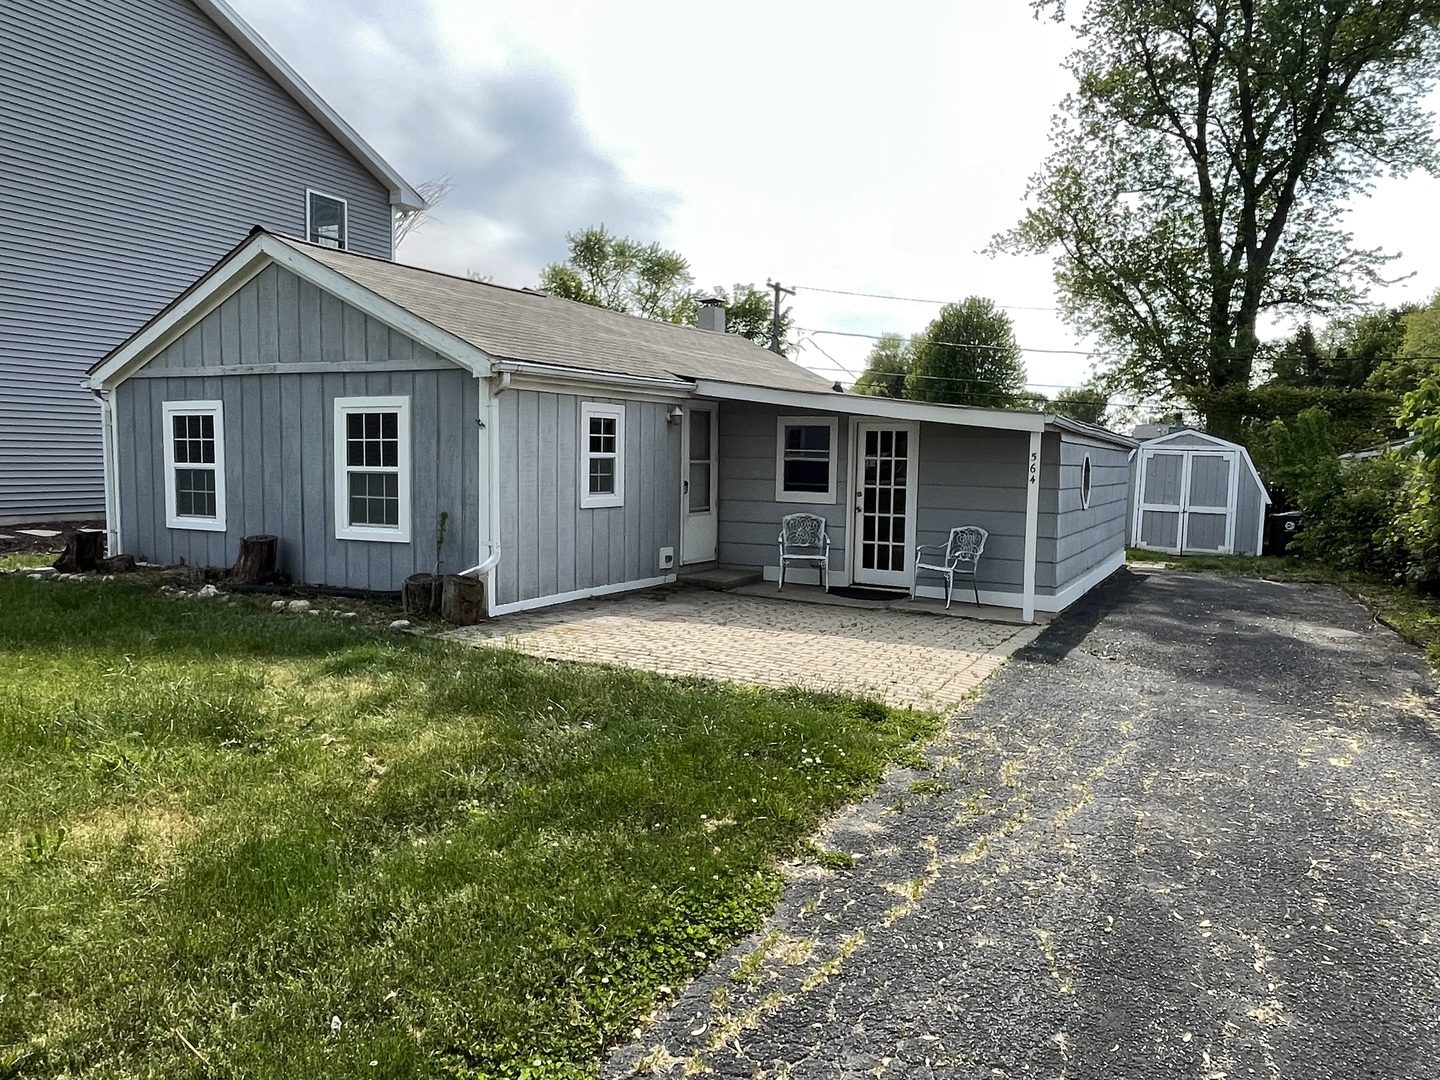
1223, 444
862, 405
402, 195
239, 267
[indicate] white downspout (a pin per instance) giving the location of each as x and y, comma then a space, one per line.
108, 453
489, 466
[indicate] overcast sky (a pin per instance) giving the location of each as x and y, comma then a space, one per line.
824, 145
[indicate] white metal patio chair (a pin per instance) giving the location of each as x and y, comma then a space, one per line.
961, 556
803, 540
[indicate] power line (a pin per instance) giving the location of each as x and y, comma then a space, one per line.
951, 344
912, 299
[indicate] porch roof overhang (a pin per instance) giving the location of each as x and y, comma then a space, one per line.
840, 401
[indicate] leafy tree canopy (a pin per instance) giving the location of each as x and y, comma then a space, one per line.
1199, 172
886, 367
967, 356
615, 272
1087, 403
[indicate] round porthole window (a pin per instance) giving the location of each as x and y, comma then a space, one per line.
1085, 483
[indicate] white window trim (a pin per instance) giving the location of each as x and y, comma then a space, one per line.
169, 410
345, 221
1087, 470
343, 530
597, 408
781, 423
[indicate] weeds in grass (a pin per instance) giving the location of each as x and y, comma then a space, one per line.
828, 858
220, 828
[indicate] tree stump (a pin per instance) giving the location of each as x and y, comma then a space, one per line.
420, 594
256, 564
82, 551
462, 600
116, 564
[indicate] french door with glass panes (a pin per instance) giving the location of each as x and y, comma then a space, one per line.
883, 536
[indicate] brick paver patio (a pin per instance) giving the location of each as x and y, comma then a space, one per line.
904, 658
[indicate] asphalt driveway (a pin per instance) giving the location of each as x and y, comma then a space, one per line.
1192, 831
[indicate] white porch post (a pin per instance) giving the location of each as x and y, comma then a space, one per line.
1032, 526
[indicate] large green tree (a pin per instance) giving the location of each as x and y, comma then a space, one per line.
967, 356
615, 272
1199, 172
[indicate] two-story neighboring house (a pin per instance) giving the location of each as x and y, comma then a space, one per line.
139, 141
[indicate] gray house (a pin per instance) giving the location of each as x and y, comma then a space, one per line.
142, 139
1197, 494
342, 403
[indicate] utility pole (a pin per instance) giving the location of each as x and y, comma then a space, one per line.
775, 318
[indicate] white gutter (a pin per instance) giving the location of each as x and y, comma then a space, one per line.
609, 378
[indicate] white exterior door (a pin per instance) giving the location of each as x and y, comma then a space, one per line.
882, 538
1186, 502
699, 522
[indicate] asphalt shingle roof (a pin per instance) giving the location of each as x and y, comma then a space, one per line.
520, 324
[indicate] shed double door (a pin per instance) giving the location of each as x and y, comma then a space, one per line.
1186, 503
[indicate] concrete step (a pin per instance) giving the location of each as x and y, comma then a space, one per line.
723, 578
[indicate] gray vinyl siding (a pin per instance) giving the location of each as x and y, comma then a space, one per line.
279, 436
139, 145
1249, 509
749, 525
971, 476
1086, 537
549, 544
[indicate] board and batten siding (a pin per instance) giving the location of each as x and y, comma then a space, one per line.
271, 354
1083, 538
140, 144
749, 526
550, 545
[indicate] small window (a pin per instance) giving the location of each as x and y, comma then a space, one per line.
194, 433
1085, 483
602, 455
325, 220
805, 459
372, 469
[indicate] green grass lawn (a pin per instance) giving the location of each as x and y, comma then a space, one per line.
1414, 617
221, 827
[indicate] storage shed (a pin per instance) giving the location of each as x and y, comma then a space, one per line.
1196, 494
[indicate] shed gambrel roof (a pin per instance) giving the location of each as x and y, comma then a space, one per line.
531, 327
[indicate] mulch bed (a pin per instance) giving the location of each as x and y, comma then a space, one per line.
17, 543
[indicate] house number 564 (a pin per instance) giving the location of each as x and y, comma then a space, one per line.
1034, 468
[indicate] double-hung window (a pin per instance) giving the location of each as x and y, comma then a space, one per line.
602, 455
325, 220
805, 459
194, 433
372, 469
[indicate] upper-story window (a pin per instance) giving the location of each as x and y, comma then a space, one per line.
325, 220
